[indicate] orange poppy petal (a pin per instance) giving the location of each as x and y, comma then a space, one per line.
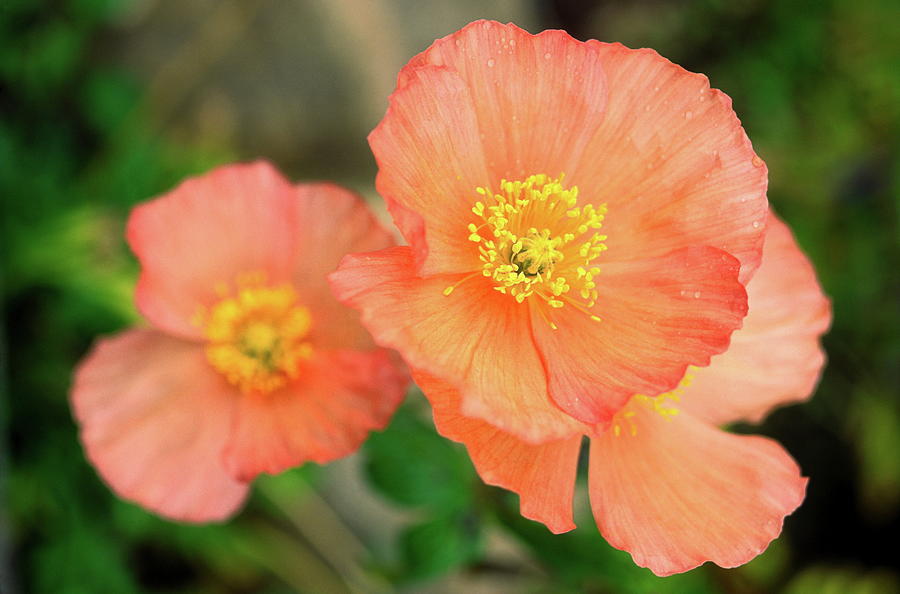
474, 338
154, 418
233, 220
776, 357
678, 492
538, 98
340, 398
672, 163
331, 222
657, 317
428, 151
542, 475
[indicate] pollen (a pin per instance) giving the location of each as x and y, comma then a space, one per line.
257, 337
536, 240
662, 404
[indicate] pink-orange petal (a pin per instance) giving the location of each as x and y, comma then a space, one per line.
330, 222
542, 475
154, 418
675, 492
234, 220
475, 338
430, 161
339, 398
776, 357
673, 164
657, 317
538, 98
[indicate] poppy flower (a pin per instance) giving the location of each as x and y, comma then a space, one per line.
249, 364
665, 483
581, 218
582, 221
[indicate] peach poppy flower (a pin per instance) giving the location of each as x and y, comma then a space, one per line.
665, 484
249, 365
581, 218
582, 221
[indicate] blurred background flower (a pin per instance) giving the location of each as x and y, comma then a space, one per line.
106, 103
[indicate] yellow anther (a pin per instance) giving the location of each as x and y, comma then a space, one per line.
256, 338
662, 404
542, 241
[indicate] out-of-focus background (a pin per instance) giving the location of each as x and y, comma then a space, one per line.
106, 103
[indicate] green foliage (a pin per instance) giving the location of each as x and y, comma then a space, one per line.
439, 545
100, 568
837, 580
412, 465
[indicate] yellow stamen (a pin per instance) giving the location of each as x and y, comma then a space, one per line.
535, 239
662, 404
452, 287
256, 337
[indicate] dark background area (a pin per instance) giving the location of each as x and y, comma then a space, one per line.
106, 103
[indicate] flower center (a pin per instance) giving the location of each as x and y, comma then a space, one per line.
535, 239
256, 338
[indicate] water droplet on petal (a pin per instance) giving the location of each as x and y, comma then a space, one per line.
512, 42
696, 294
757, 162
756, 224
490, 63
547, 56
688, 114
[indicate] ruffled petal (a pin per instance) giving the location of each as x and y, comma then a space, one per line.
675, 492
430, 161
657, 317
235, 220
542, 475
476, 339
154, 418
673, 164
330, 222
776, 357
340, 398
538, 98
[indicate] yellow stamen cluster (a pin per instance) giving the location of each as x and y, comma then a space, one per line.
256, 337
534, 239
662, 404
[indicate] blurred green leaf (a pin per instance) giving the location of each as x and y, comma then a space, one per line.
874, 423
81, 561
413, 465
837, 580
439, 545
107, 97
